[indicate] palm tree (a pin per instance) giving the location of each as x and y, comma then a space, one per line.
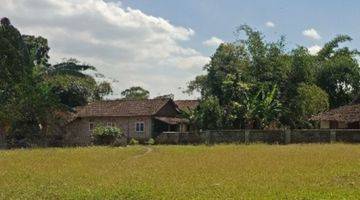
70, 67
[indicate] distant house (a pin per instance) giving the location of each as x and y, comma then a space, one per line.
345, 117
139, 119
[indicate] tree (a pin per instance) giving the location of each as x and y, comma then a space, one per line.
15, 60
311, 100
69, 79
166, 96
33, 92
71, 83
25, 101
135, 93
262, 108
211, 114
38, 49
257, 82
339, 72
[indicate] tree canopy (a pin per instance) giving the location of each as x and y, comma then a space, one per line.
258, 84
33, 91
135, 93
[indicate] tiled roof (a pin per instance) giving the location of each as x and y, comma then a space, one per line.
349, 113
187, 104
122, 108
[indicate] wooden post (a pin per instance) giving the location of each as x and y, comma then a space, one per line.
247, 137
287, 136
332, 136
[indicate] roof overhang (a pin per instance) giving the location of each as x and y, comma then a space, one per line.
172, 120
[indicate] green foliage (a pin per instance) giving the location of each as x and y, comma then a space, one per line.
105, 135
166, 96
73, 86
310, 100
133, 142
70, 67
38, 49
262, 108
26, 103
33, 92
102, 89
69, 79
211, 114
135, 93
151, 141
257, 83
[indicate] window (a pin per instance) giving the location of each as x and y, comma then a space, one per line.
139, 127
91, 126
110, 124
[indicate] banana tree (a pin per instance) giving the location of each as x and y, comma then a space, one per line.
261, 108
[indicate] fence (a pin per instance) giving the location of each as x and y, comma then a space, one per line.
2, 141
261, 136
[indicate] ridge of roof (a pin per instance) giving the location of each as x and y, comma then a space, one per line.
347, 113
187, 104
122, 108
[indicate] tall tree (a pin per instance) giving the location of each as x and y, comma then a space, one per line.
243, 74
72, 84
339, 73
135, 93
68, 79
26, 102
32, 91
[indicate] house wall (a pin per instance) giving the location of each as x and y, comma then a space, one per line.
78, 132
342, 125
339, 125
325, 125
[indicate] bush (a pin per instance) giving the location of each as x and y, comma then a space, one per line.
151, 141
133, 142
104, 135
119, 142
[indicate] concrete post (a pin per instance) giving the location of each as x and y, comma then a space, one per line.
332, 136
207, 137
287, 136
247, 136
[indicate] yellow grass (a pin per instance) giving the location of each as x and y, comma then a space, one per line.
183, 172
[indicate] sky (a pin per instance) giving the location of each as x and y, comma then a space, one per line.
160, 44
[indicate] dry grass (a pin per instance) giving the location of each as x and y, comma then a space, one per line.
183, 172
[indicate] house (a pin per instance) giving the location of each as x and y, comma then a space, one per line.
139, 119
345, 117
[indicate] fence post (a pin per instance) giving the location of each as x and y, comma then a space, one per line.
247, 136
207, 137
332, 136
287, 136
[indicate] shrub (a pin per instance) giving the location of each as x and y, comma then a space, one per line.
133, 142
151, 141
104, 135
119, 142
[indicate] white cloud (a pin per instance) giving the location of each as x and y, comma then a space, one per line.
270, 24
311, 33
213, 41
313, 50
123, 43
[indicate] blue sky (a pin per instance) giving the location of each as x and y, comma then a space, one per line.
161, 44
220, 18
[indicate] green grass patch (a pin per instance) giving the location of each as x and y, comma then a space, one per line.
330, 171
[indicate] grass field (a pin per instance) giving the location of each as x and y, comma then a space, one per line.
183, 172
